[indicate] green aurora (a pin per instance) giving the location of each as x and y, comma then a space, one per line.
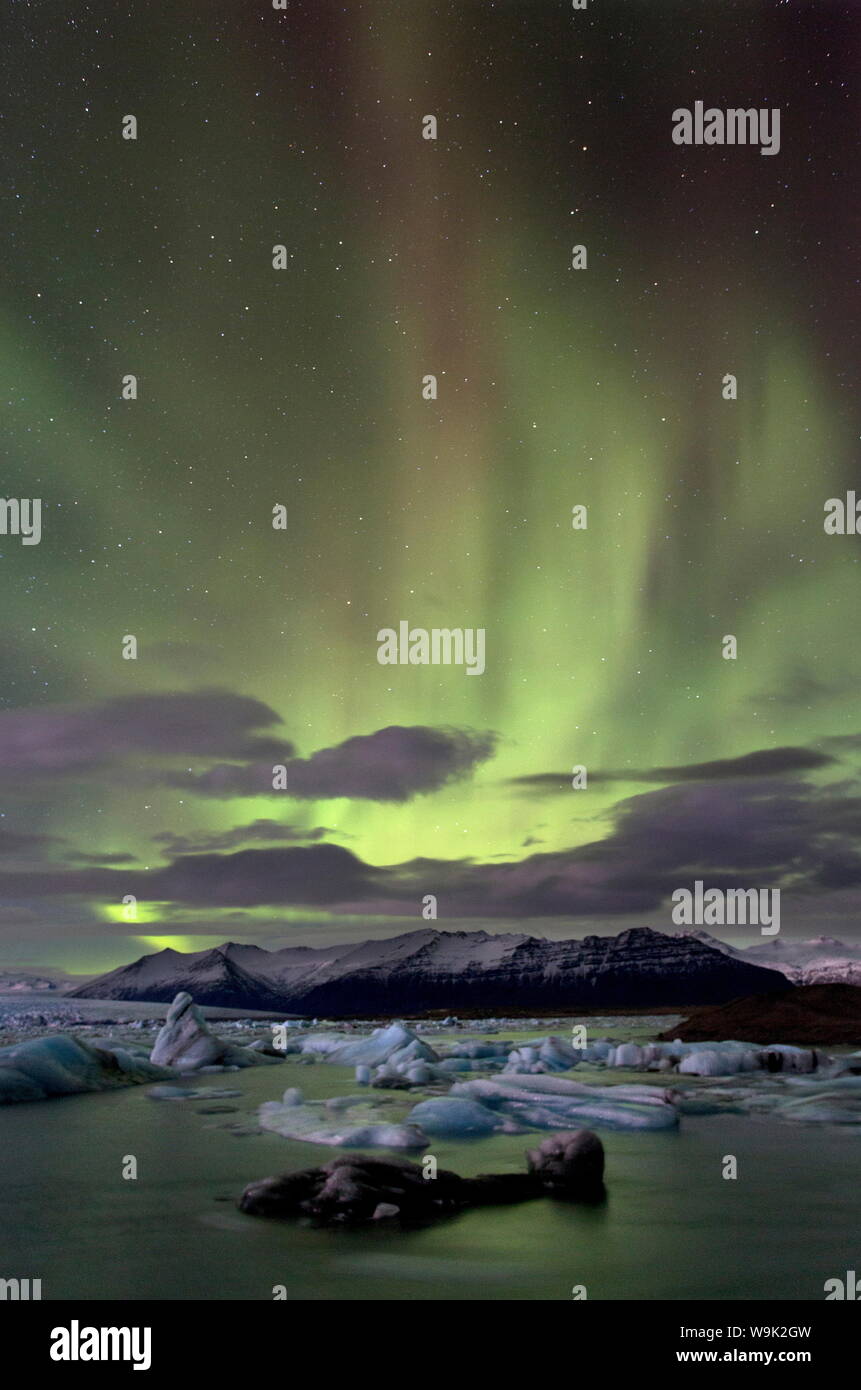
303, 388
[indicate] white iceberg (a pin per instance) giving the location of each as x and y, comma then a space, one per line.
626, 1055
186, 1042
395, 1044
717, 1061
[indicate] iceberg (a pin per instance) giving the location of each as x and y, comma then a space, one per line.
186, 1042
715, 1061
64, 1065
543, 1055
419, 1074
783, 1057
395, 1044
476, 1051
319, 1122
836, 1101
553, 1102
457, 1117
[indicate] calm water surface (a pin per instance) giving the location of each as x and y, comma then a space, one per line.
672, 1227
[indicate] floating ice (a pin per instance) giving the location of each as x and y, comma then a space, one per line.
836, 1101
169, 1092
396, 1044
419, 1073
553, 1102
318, 1122
626, 1055
456, 1117
186, 1043
714, 1061
63, 1065
478, 1050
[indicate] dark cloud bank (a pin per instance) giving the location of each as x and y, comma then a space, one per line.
754, 832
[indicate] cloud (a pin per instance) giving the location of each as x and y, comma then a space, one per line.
309, 875
16, 843
766, 762
757, 832
391, 764
747, 832
148, 733
62, 739
106, 859
205, 842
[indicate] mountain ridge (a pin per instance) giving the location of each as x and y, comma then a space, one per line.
428, 969
821, 960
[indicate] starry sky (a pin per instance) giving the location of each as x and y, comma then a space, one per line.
302, 388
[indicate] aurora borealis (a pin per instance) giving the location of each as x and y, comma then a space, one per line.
301, 388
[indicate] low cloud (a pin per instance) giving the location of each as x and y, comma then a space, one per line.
764, 832
766, 762
73, 739
205, 842
391, 764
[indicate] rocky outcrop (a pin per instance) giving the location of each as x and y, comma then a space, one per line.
817, 1015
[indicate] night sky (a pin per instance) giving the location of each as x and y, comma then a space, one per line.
302, 388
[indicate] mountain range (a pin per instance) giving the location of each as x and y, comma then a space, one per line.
428, 970
18, 983
821, 961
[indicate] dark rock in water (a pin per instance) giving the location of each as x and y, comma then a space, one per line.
356, 1188
284, 1196
566, 1161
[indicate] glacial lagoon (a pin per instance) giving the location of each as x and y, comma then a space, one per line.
671, 1227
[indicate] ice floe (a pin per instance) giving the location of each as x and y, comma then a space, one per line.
63, 1065
459, 1117
349, 1122
549, 1102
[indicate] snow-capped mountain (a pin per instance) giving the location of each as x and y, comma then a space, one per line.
821, 961
457, 971
13, 982
211, 977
